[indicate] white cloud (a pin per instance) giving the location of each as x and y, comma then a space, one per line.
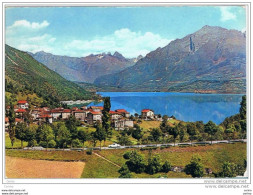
125, 41
27, 24
226, 14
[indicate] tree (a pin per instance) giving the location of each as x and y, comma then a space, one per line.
63, 136
21, 132
136, 162
156, 134
100, 133
182, 131
137, 132
195, 168
106, 122
210, 129
154, 165
11, 116
192, 130
243, 108
30, 134
124, 172
230, 131
174, 132
71, 124
228, 170
166, 167
46, 134
164, 124
124, 140
82, 136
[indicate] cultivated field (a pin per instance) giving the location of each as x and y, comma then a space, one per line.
213, 156
28, 168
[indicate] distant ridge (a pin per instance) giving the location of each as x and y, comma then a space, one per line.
213, 58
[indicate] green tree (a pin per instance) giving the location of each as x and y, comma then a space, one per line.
154, 165
228, 170
230, 131
136, 162
156, 134
174, 132
21, 132
11, 128
195, 168
192, 131
166, 167
211, 129
137, 132
71, 124
63, 136
100, 133
243, 108
124, 139
82, 136
46, 134
182, 131
124, 172
30, 134
106, 122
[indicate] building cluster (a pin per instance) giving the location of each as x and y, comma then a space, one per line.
120, 118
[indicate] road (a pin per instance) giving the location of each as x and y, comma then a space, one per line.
142, 146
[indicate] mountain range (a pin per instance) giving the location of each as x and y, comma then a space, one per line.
211, 59
85, 69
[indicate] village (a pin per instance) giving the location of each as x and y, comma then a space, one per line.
120, 118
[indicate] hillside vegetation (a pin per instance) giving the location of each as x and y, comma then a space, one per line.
24, 73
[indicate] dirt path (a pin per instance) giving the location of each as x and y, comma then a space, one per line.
28, 168
106, 159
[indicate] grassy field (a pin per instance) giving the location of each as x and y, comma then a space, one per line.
213, 156
17, 143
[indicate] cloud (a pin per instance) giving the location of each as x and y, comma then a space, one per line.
226, 14
27, 24
29, 36
125, 41
32, 37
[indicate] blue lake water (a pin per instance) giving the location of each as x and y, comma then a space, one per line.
184, 106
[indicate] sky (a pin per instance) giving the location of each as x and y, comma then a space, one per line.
132, 31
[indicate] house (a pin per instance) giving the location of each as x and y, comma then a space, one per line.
115, 115
93, 117
147, 113
66, 113
20, 112
80, 115
7, 123
121, 124
46, 118
123, 112
23, 104
56, 113
97, 108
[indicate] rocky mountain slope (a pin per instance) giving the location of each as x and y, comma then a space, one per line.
84, 69
212, 58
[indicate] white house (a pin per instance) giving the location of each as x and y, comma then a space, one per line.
147, 113
23, 104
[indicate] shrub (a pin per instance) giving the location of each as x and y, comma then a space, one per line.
166, 167
43, 144
89, 151
154, 165
127, 155
76, 143
195, 168
124, 172
51, 144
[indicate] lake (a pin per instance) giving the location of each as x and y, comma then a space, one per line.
184, 106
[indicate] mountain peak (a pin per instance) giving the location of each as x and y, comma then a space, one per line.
118, 55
